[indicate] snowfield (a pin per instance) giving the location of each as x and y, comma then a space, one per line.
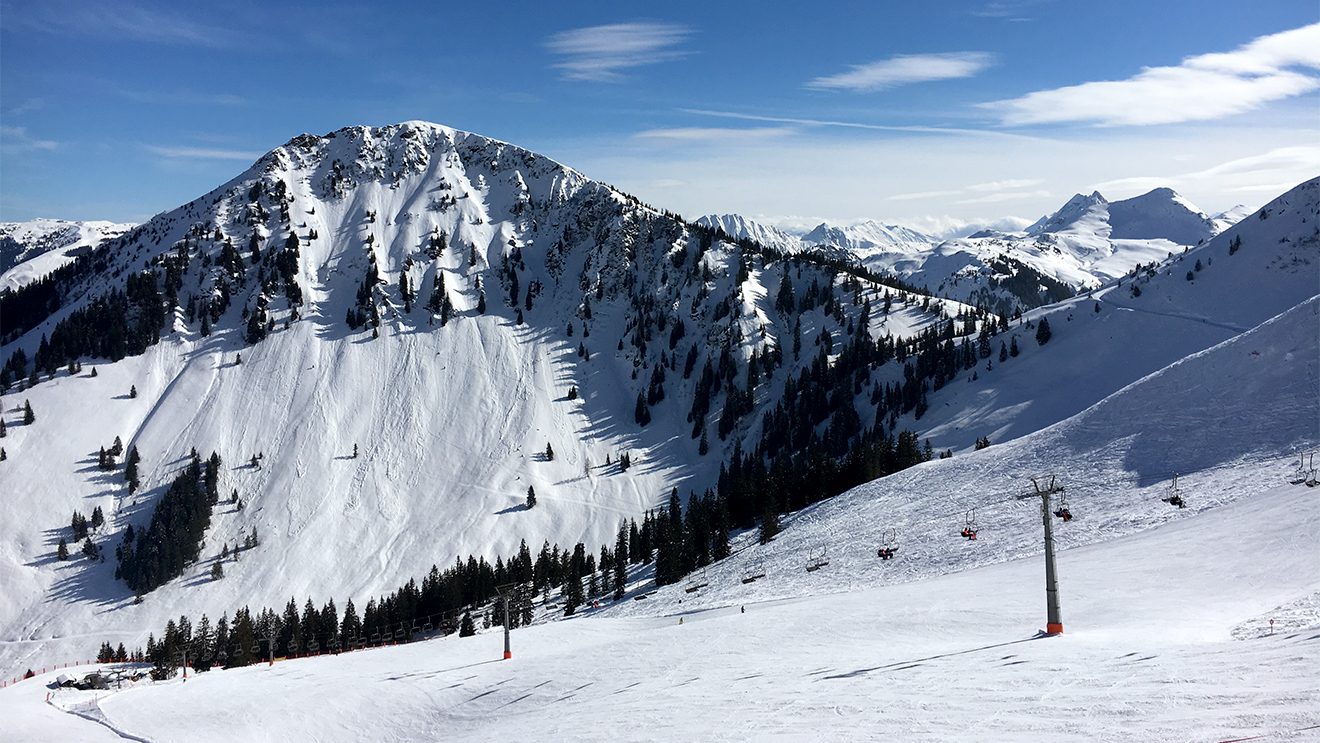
1147, 654
30, 250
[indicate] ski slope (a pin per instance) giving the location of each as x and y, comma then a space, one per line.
1114, 336
1147, 654
1166, 611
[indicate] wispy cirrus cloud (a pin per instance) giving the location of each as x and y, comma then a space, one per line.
715, 134
16, 139
989, 192
1273, 171
182, 97
905, 69
125, 20
1009, 10
603, 53
1200, 88
170, 152
808, 122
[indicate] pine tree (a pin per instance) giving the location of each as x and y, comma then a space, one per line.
481, 302
466, 628
1013, 347
132, 392
769, 524
28, 417
1043, 331
62, 551
4, 431
98, 518
217, 570
641, 413
549, 452
531, 497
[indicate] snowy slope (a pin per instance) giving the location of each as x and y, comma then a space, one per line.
1228, 419
30, 250
859, 643
451, 422
1103, 342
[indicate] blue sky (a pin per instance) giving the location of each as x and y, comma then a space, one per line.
930, 113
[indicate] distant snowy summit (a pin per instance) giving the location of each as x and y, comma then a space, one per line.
29, 250
1085, 243
1158, 214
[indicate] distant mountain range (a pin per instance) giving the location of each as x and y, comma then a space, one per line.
1085, 243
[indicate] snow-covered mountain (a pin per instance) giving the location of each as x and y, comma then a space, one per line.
30, 250
1158, 214
1229, 217
394, 336
1084, 244
383, 332
739, 227
1089, 241
870, 240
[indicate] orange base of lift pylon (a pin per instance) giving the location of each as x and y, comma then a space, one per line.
1054, 629
508, 654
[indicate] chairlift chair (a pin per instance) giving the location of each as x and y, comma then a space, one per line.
816, 561
754, 573
888, 546
696, 584
1174, 498
969, 530
1063, 511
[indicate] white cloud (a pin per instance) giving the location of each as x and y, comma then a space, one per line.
824, 175
914, 129
1203, 87
1273, 171
995, 186
201, 153
15, 139
715, 134
182, 97
905, 69
996, 198
601, 53
119, 20
920, 195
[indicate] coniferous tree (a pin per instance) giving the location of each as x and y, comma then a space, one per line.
769, 524
1013, 347
132, 392
62, 551
466, 628
28, 417
217, 570
531, 496
3, 430
549, 452
1043, 331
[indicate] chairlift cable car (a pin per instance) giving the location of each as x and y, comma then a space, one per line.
969, 530
888, 545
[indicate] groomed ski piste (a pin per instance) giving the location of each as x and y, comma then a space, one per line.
1167, 611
